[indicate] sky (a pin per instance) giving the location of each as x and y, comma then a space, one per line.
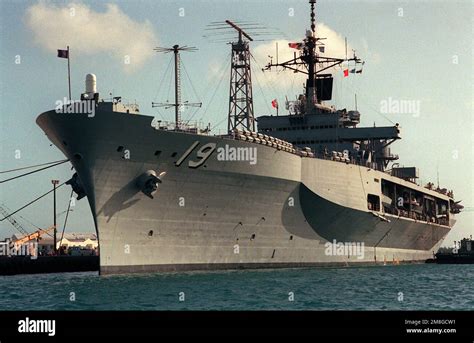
414, 51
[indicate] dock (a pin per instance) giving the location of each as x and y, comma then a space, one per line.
13, 265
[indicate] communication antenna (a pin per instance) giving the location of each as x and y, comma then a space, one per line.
240, 97
306, 61
177, 83
437, 173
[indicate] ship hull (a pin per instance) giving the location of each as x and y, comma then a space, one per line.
282, 211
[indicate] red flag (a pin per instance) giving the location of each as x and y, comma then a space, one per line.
274, 103
295, 45
63, 53
346, 72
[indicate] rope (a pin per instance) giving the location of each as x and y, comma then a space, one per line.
260, 88
267, 79
198, 99
189, 80
5, 210
29, 222
223, 69
164, 77
362, 99
37, 165
31, 202
219, 123
170, 85
65, 219
34, 171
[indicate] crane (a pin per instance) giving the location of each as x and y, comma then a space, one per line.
12, 220
34, 235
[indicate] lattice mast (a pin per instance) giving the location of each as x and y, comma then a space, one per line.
240, 94
177, 84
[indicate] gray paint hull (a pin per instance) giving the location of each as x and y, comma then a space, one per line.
279, 212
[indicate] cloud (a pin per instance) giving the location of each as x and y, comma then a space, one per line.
335, 43
334, 47
88, 32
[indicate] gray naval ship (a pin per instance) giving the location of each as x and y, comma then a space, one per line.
320, 191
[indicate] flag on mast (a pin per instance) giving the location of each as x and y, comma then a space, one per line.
63, 53
295, 45
275, 104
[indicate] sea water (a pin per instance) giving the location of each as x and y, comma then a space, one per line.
390, 287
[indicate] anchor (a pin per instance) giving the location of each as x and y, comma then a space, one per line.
148, 182
76, 185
